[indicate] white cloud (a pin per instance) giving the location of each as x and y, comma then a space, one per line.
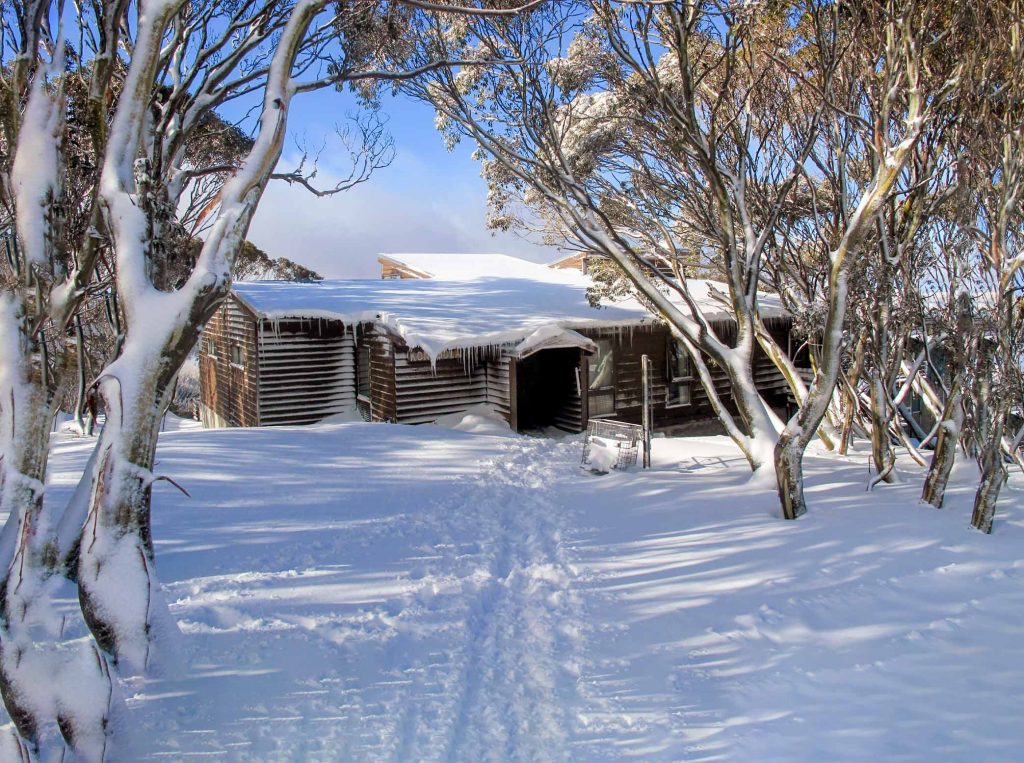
340, 236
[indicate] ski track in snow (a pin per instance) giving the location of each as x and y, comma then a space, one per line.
385, 593
494, 590
480, 630
518, 666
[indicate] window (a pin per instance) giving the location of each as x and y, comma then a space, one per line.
237, 356
601, 380
680, 375
211, 348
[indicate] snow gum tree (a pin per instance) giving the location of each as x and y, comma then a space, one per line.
178, 72
953, 316
907, 327
780, 142
48, 202
140, 181
186, 60
114, 185
956, 294
997, 186
638, 130
886, 298
893, 81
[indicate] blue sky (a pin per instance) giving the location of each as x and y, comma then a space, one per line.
427, 200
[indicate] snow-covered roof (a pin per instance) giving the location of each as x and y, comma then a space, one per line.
568, 258
464, 309
550, 337
467, 266
442, 315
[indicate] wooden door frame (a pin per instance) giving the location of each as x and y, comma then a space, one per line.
513, 394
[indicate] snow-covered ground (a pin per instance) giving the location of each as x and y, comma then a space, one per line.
378, 592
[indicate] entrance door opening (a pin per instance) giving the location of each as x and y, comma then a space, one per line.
547, 391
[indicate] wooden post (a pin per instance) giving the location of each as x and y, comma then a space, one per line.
645, 364
513, 395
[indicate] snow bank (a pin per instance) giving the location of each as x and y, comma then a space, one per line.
479, 419
347, 416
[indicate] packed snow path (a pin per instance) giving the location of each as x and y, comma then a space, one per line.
385, 593
461, 645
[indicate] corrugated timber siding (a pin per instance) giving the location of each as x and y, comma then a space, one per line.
304, 377
425, 392
226, 388
570, 417
630, 346
383, 406
498, 387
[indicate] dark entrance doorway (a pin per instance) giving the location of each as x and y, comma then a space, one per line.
547, 391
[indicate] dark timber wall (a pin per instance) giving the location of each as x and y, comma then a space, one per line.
383, 400
496, 371
631, 345
425, 392
229, 389
301, 371
307, 371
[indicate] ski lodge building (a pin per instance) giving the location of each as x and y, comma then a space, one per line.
442, 333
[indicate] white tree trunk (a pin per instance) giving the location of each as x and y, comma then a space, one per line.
118, 591
882, 453
826, 432
993, 475
53, 694
801, 428
934, 490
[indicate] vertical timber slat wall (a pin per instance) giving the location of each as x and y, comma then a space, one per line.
229, 390
383, 401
